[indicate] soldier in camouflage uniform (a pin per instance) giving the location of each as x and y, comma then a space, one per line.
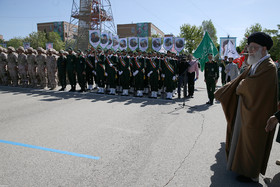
41, 67
3, 67
51, 69
12, 66
31, 64
22, 67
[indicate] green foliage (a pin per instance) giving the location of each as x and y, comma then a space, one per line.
36, 39
15, 42
53, 37
192, 35
210, 28
254, 28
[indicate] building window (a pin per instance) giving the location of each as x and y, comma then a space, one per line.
133, 30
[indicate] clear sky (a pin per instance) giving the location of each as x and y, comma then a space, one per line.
18, 18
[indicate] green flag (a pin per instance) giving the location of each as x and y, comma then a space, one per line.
205, 47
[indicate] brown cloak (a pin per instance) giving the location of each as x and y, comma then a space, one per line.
259, 102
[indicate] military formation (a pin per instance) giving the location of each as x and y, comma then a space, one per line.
122, 72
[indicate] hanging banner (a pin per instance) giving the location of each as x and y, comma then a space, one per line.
26, 45
116, 43
104, 40
110, 43
168, 43
142, 29
224, 41
143, 43
133, 43
230, 51
179, 44
123, 44
156, 44
49, 46
94, 38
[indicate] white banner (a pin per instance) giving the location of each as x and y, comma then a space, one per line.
116, 43
156, 44
143, 43
133, 43
94, 38
179, 44
230, 51
104, 40
168, 43
123, 44
110, 43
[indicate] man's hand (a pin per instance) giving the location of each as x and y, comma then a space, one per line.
271, 123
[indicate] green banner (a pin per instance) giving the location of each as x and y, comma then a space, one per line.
205, 47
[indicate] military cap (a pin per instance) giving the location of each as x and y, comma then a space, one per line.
5, 50
20, 48
262, 39
61, 51
11, 48
70, 49
66, 53
40, 49
30, 49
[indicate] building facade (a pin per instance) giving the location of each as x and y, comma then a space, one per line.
64, 29
138, 30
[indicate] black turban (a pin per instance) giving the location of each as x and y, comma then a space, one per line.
261, 38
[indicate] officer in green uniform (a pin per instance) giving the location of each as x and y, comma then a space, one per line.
61, 68
211, 75
124, 72
100, 72
71, 69
81, 70
153, 74
138, 72
111, 71
90, 66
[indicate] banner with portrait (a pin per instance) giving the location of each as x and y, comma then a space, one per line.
167, 43
156, 44
224, 41
116, 43
143, 43
26, 45
110, 43
94, 38
133, 43
104, 40
49, 46
142, 29
123, 44
179, 44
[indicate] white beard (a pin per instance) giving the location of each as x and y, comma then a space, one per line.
254, 58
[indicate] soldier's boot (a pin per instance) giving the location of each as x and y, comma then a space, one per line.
155, 95
90, 87
140, 93
125, 92
169, 95
113, 91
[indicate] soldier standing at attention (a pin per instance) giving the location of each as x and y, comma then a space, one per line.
168, 74
124, 72
100, 72
61, 68
71, 69
12, 65
111, 71
153, 74
3, 66
51, 69
22, 66
90, 66
211, 75
81, 70
41, 65
31, 66
138, 70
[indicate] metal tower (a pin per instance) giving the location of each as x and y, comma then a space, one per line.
90, 15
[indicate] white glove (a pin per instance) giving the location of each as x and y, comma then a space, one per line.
162, 75
135, 73
120, 72
174, 78
149, 74
94, 72
95, 61
106, 74
111, 65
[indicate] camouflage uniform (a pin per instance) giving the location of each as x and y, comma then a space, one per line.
41, 67
3, 67
12, 66
51, 66
22, 66
31, 68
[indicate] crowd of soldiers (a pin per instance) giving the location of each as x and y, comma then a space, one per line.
110, 72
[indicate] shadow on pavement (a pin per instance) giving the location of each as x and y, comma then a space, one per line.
274, 182
223, 177
198, 108
53, 95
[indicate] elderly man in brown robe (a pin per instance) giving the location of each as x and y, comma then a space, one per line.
248, 101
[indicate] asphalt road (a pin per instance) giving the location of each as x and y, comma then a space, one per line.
51, 138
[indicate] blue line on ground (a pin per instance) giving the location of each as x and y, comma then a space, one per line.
49, 149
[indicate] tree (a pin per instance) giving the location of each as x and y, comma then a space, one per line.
15, 42
36, 39
54, 37
210, 28
254, 28
192, 35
